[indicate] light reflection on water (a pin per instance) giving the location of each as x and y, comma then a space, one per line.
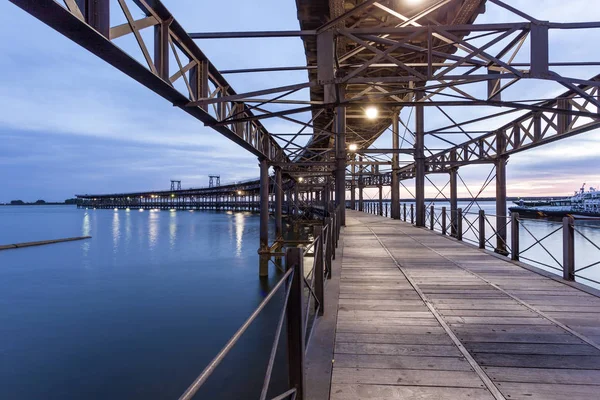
239, 232
116, 231
98, 317
172, 228
152, 229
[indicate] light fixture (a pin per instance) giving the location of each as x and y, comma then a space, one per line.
239, 192
300, 179
352, 147
172, 195
371, 112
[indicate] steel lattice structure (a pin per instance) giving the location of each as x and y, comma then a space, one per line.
389, 54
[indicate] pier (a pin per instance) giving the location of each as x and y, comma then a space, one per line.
406, 302
421, 315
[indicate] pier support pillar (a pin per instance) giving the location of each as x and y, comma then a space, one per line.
453, 201
278, 203
395, 189
264, 219
353, 184
501, 216
296, 200
340, 162
419, 156
360, 184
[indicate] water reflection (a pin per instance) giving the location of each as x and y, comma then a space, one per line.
116, 231
153, 229
172, 228
240, 220
85, 231
127, 229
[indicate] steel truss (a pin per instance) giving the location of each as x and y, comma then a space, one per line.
381, 53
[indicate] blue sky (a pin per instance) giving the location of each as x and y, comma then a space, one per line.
70, 123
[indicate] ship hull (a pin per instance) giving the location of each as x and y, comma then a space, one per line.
545, 213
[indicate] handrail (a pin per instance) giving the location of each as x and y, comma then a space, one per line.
195, 386
323, 246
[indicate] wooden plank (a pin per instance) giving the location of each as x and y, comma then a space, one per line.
403, 377
523, 312
543, 391
361, 314
397, 349
389, 329
384, 392
503, 337
387, 321
534, 348
545, 375
344, 337
401, 362
385, 307
538, 361
498, 320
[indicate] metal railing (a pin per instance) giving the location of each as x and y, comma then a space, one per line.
300, 292
514, 236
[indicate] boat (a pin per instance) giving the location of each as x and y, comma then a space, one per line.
583, 204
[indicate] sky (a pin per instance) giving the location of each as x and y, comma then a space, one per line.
72, 124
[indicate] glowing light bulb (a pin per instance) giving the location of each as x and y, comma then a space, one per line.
371, 112
353, 147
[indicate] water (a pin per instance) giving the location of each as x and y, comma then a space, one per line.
547, 254
137, 311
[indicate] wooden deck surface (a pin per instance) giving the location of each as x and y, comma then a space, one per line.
421, 316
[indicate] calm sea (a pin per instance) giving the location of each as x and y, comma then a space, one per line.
137, 311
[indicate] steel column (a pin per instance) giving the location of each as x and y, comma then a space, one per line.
295, 321
360, 184
420, 161
353, 184
278, 203
501, 215
395, 189
453, 201
264, 218
340, 161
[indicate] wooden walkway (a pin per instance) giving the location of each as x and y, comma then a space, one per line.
421, 316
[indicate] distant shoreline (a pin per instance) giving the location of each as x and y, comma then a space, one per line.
33, 204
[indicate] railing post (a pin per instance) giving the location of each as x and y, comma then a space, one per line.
318, 273
481, 229
568, 249
443, 220
404, 210
514, 236
328, 255
431, 217
412, 214
295, 321
333, 228
459, 217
